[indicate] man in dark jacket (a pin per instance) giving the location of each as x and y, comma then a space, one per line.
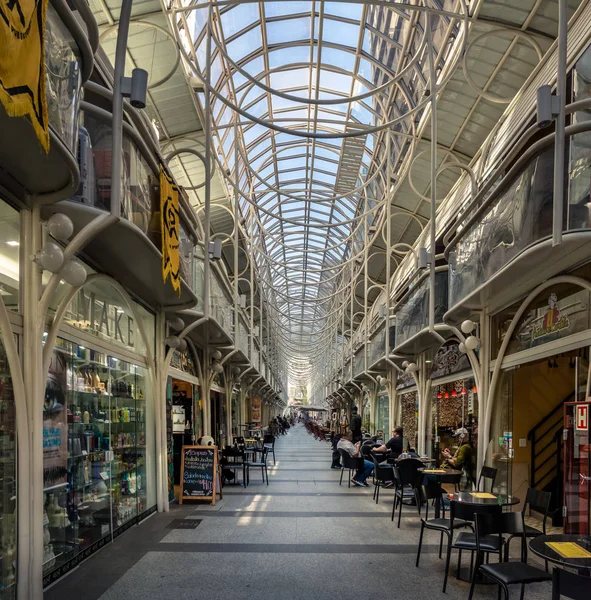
355, 425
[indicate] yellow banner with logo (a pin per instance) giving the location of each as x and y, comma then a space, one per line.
22, 63
169, 222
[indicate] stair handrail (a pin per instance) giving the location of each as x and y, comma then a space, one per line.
532, 431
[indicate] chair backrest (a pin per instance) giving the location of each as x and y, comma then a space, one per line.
397, 477
269, 439
487, 473
431, 491
570, 585
467, 512
409, 470
348, 461
539, 501
230, 452
382, 473
488, 524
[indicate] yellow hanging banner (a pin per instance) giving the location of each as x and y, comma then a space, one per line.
22, 63
169, 222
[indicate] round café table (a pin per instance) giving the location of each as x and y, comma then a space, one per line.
470, 498
441, 476
540, 548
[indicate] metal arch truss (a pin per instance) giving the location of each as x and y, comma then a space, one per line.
311, 108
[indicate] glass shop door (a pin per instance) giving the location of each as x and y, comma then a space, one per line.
577, 468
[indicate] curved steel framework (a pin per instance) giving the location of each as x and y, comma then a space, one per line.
313, 109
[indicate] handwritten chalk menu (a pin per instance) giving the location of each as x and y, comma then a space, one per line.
198, 473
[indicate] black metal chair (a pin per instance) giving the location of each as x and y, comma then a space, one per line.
538, 501
262, 464
433, 492
404, 490
234, 459
489, 473
489, 527
465, 540
382, 474
349, 462
571, 585
269, 443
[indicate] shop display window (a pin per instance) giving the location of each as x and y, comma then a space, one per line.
98, 444
454, 406
9, 255
8, 487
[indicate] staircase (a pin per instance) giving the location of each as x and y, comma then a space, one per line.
546, 457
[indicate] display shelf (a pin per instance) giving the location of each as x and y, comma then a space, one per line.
55, 487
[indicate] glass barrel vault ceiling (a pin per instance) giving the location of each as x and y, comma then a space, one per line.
321, 78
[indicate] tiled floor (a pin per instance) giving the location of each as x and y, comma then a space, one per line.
302, 537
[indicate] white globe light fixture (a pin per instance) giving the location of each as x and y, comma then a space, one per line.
177, 324
51, 257
173, 341
183, 344
73, 273
468, 326
412, 368
217, 367
462, 347
472, 342
405, 364
216, 355
60, 227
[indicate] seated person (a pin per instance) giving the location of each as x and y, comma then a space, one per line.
353, 450
393, 446
462, 458
336, 457
378, 438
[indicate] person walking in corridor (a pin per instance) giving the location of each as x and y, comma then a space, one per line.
355, 425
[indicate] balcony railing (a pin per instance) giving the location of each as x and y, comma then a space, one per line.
412, 316
377, 347
516, 220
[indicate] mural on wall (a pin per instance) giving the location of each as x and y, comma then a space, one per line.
410, 417
449, 360
184, 361
554, 314
169, 439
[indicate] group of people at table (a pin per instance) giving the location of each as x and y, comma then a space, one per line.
353, 444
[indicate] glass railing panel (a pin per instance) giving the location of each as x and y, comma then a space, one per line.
198, 282
359, 363
138, 195
413, 315
519, 217
378, 346
63, 80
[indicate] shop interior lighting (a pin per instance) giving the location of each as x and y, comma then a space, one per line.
12, 243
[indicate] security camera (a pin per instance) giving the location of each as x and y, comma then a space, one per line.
548, 106
136, 88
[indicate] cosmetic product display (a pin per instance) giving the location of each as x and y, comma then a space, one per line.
102, 482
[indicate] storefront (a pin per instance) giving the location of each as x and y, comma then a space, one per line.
383, 411
98, 427
218, 410
453, 406
183, 409
8, 487
544, 365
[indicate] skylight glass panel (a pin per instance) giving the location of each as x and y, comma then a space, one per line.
344, 34
277, 9
292, 78
292, 163
244, 44
335, 81
292, 55
290, 30
349, 10
254, 132
339, 58
239, 17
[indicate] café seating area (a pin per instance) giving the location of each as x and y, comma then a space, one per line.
482, 537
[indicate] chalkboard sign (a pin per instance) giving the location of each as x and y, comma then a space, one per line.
199, 468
